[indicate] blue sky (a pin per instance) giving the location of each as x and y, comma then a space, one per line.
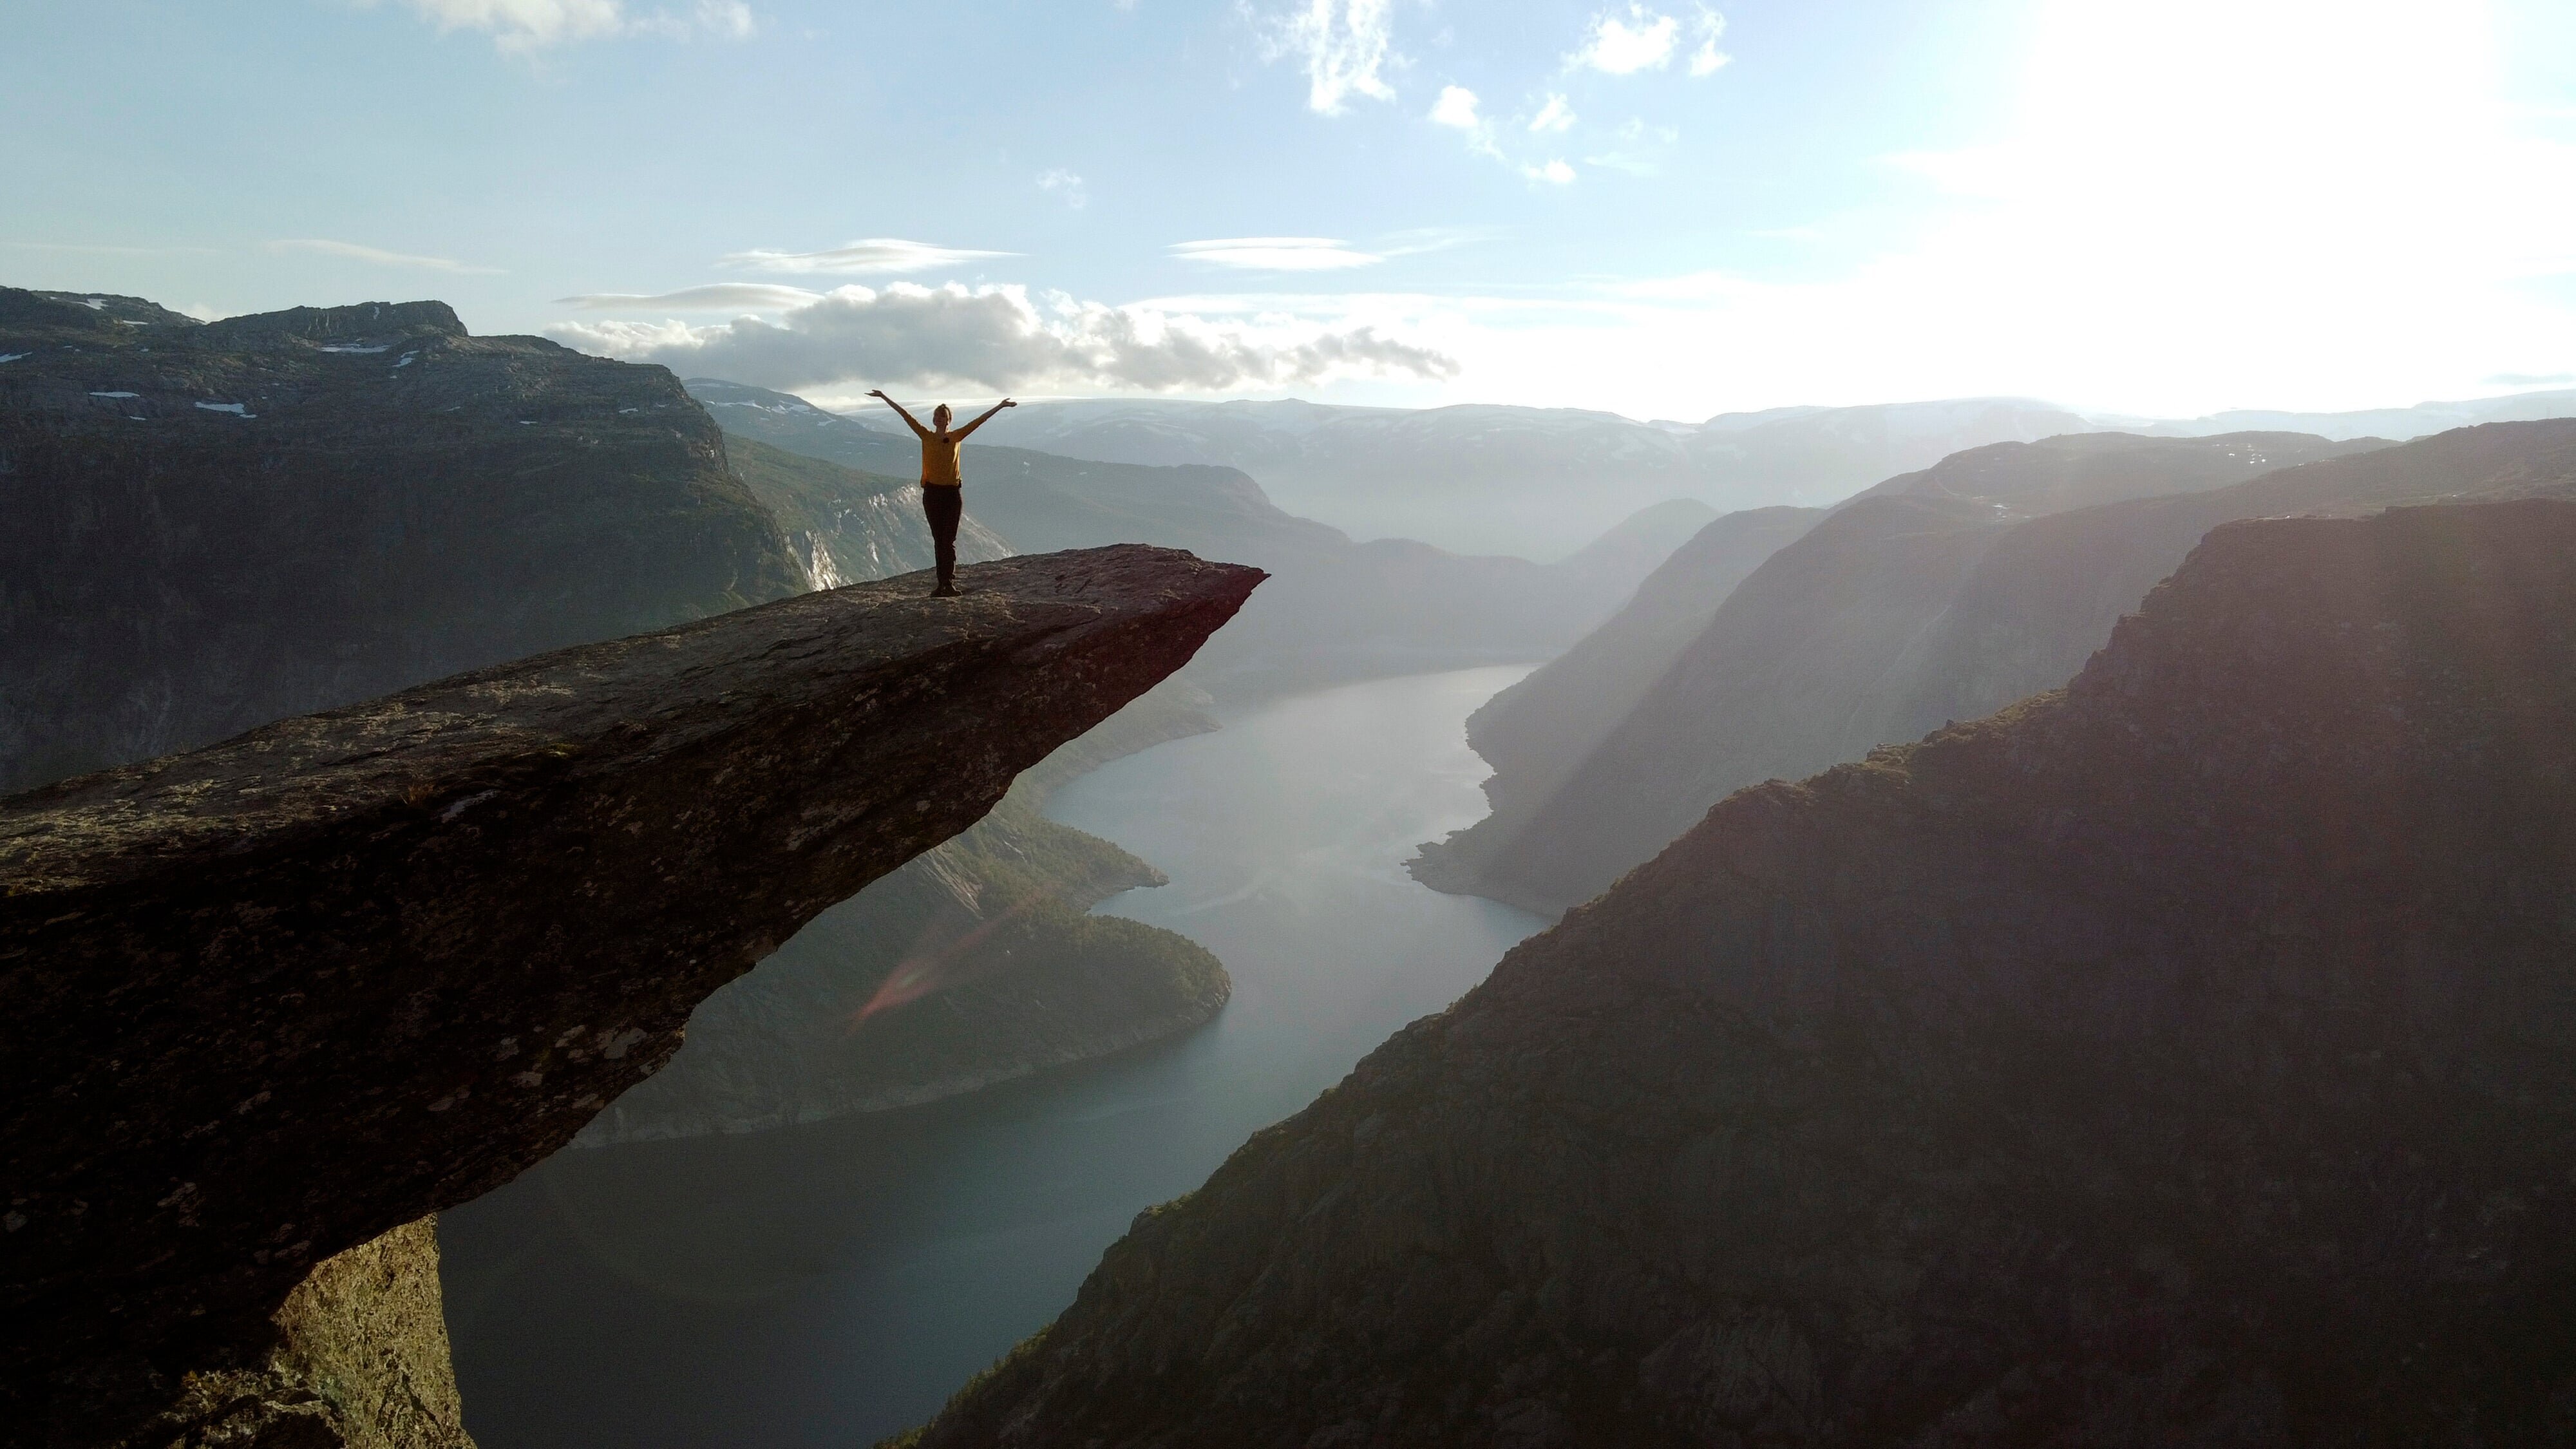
1660, 209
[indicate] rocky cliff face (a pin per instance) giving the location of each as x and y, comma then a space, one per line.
262, 1003
1911, 608
2181, 1058
207, 527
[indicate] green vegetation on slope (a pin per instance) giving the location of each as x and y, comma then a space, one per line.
974, 964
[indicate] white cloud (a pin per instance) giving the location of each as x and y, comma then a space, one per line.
378, 255
1413, 241
1707, 59
1641, 40
1065, 186
1557, 115
1276, 253
870, 256
731, 19
998, 339
1457, 109
1345, 46
520, 26
719, 297
1555, 173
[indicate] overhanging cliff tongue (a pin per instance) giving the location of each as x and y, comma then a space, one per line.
270, 999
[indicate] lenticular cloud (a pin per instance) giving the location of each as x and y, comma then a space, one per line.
999, 339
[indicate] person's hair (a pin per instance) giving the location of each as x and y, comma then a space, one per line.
941, 415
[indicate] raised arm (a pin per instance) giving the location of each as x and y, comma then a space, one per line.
908, 419
986, 418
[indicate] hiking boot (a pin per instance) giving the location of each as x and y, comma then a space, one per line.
944, 591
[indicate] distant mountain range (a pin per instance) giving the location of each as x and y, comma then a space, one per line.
1931, 599
1528, 481
2401, 424
1333, 610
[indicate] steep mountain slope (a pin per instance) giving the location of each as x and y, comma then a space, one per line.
1634, 547
265, 1002
847, 526
1540, 731
1529, 482
1334, 609
205, 527
975, 963
2181, 1058
1906, 610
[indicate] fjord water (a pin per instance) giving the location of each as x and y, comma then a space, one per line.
830, 1284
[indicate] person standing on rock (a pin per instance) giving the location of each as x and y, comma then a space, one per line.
943, 492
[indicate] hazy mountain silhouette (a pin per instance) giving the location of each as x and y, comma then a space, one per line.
1527, 481
1540, 731
1909, 608
1332, 610
2404, 423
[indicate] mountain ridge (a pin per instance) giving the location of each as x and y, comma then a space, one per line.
213, 525
1899, 612
1334, 610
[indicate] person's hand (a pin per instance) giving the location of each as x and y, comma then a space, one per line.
879, 392
1006, 402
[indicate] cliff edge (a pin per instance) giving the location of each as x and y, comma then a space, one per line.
2182, 1057
267, 1001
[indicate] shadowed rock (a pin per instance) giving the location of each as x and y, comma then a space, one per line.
268, 1000
204, 528
2179, 1058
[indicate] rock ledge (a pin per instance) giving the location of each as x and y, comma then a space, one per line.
268, 1000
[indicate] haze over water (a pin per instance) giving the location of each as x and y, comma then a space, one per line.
834, 1283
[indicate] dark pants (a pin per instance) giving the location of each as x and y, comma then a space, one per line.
943, 505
